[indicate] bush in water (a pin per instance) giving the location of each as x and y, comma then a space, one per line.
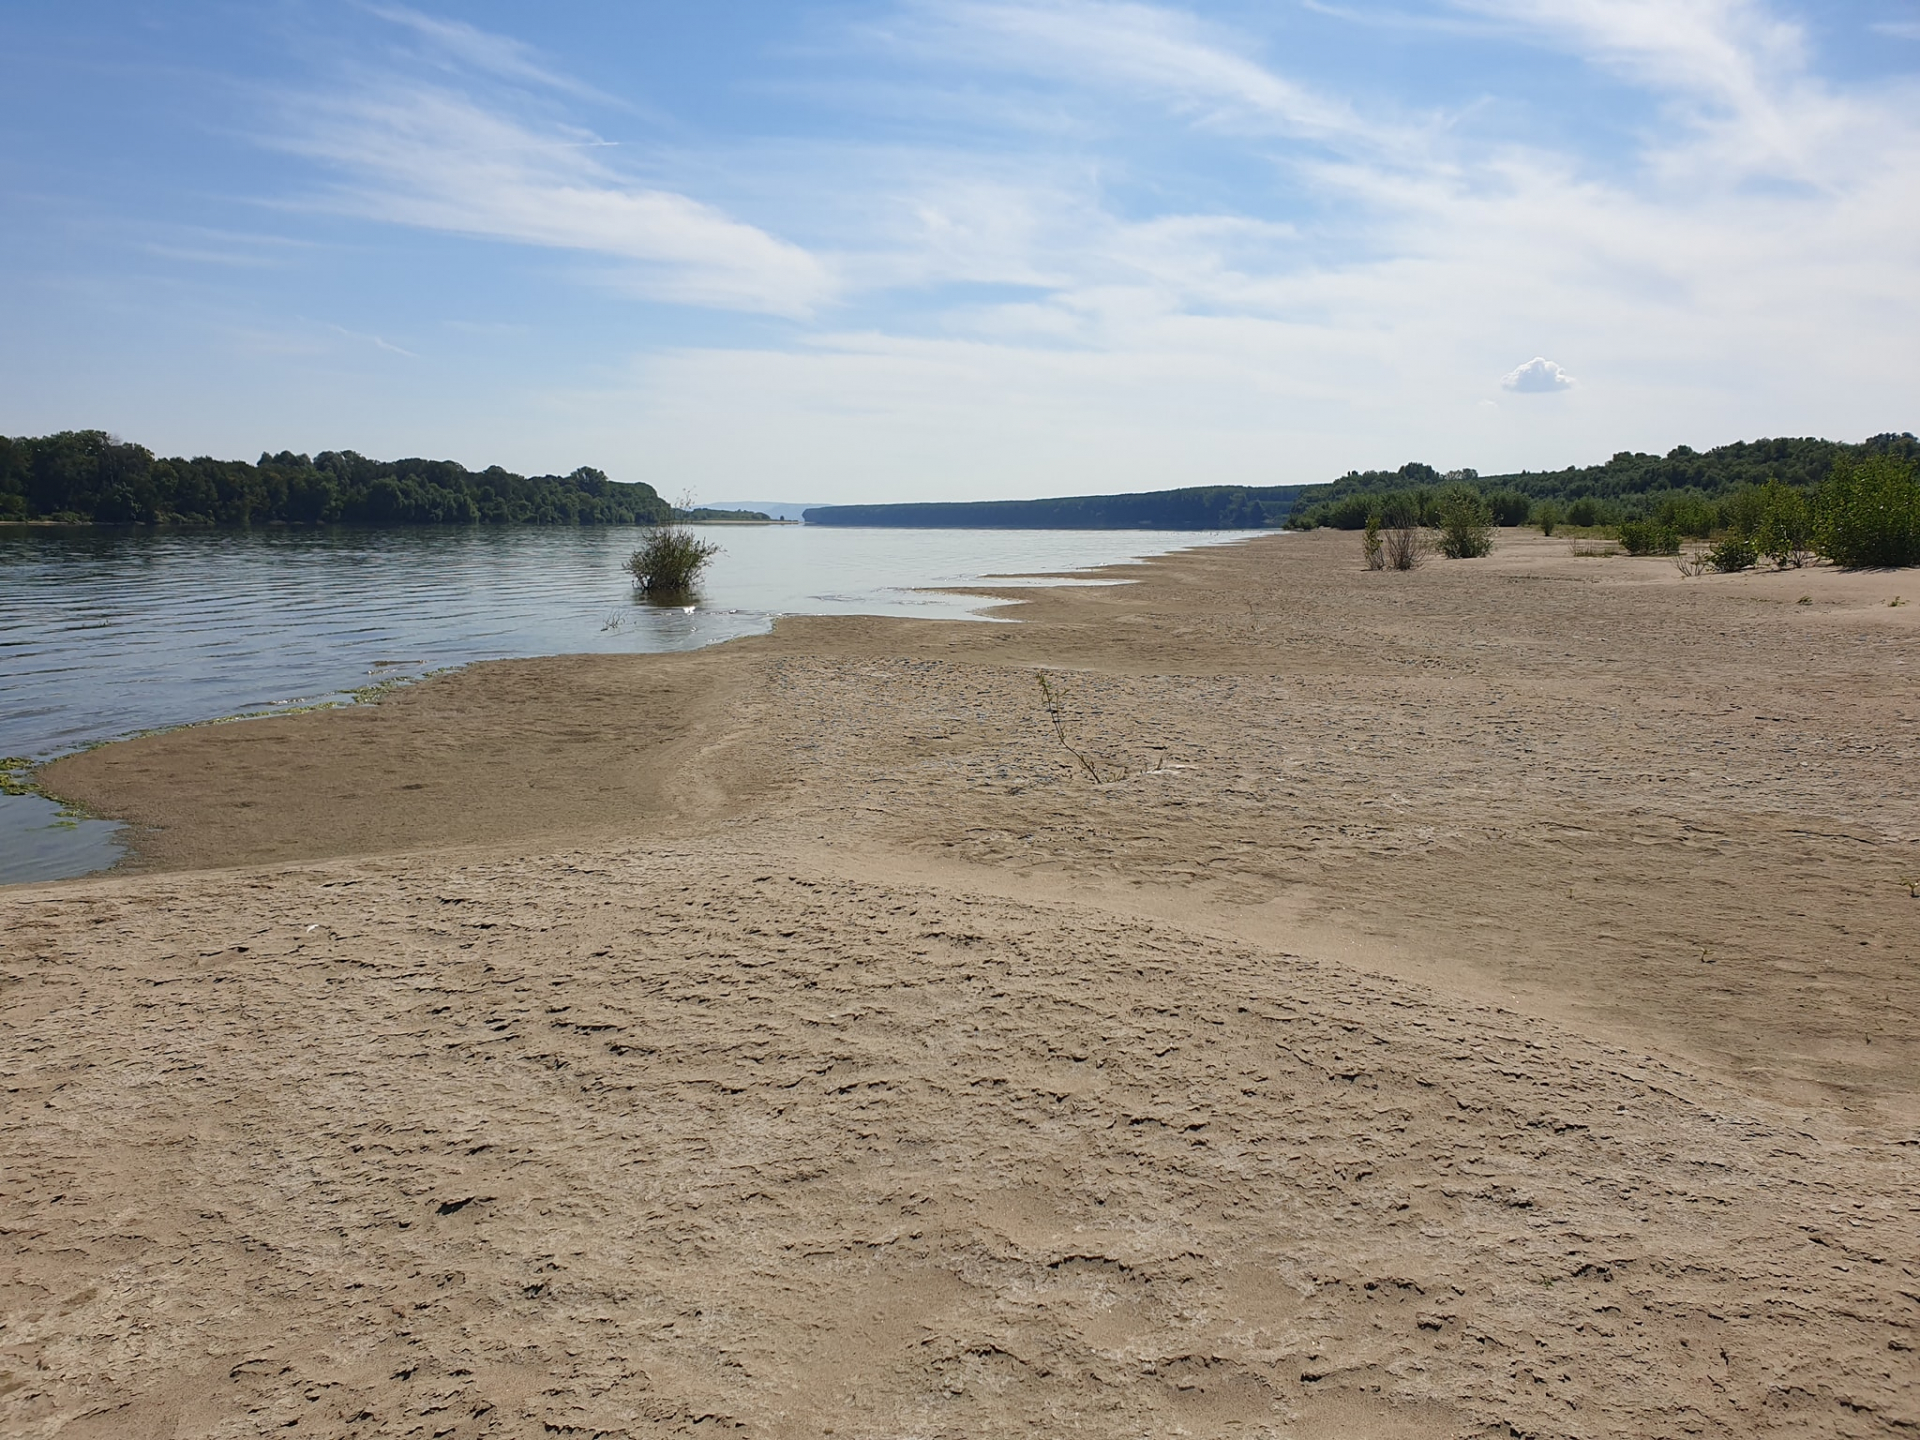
669, 560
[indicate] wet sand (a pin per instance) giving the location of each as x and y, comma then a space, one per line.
1479, 1001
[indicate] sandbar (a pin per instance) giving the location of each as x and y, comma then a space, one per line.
1264, 998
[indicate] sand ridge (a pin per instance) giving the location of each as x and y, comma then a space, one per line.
871, 1068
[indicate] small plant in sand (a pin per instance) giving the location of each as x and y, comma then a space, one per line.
1695, 560
669, 560
1648, 537
1402, 544
1733, 553
1466, 523
1096, 771
1784, 532
1372, 545
1406, 547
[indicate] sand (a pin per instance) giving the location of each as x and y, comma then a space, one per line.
1472, 1002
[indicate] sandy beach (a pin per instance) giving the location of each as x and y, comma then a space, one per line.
1264, 999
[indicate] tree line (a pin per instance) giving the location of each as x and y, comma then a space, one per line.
1684, 486
87, 476
1862, 498
1857, 505
1201, 507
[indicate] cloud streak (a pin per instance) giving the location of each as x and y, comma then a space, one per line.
499, 55
1148, 52
994, 307
435, 159
1699, 294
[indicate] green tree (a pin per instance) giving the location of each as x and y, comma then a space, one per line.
1868, 512
1783, 531
1465, 522
1648, 537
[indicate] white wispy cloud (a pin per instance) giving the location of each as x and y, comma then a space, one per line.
1734, 70
433, 158
1151, 52
1698, 293
1352, 304
378, 342
1724, 48
462, 44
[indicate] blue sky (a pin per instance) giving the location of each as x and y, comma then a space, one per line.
950, 249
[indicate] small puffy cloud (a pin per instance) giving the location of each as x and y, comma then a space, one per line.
1539, 376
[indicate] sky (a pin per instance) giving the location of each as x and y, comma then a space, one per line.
960, 249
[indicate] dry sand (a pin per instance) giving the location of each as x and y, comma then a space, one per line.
1473, 1002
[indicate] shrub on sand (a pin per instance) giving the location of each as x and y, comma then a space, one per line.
1868, 513
1648, 537
1509, 507
1689, 516
1732, 552
1402, 544
1466, 523
1784, 533
1405, 547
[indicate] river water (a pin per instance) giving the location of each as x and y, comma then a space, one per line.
107, 633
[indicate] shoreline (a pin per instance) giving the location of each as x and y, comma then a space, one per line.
1010, 590
1393, 1004
446, 760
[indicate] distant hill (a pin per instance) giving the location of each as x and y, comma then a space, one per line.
1207, 507
772, 509
709, 515
87, 476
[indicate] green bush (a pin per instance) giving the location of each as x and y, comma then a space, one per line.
1868, 513
1348, 514
1399, 509
1733, 552
669, 560
1688, 515
1465, 523
1584, 511
1648, 537
1509, 507
1742, 511
1783, 525
1546, 515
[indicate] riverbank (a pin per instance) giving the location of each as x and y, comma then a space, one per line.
1366, 1004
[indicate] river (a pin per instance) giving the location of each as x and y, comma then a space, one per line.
106, 633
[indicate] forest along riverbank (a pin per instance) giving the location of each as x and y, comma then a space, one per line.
1418, 1003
